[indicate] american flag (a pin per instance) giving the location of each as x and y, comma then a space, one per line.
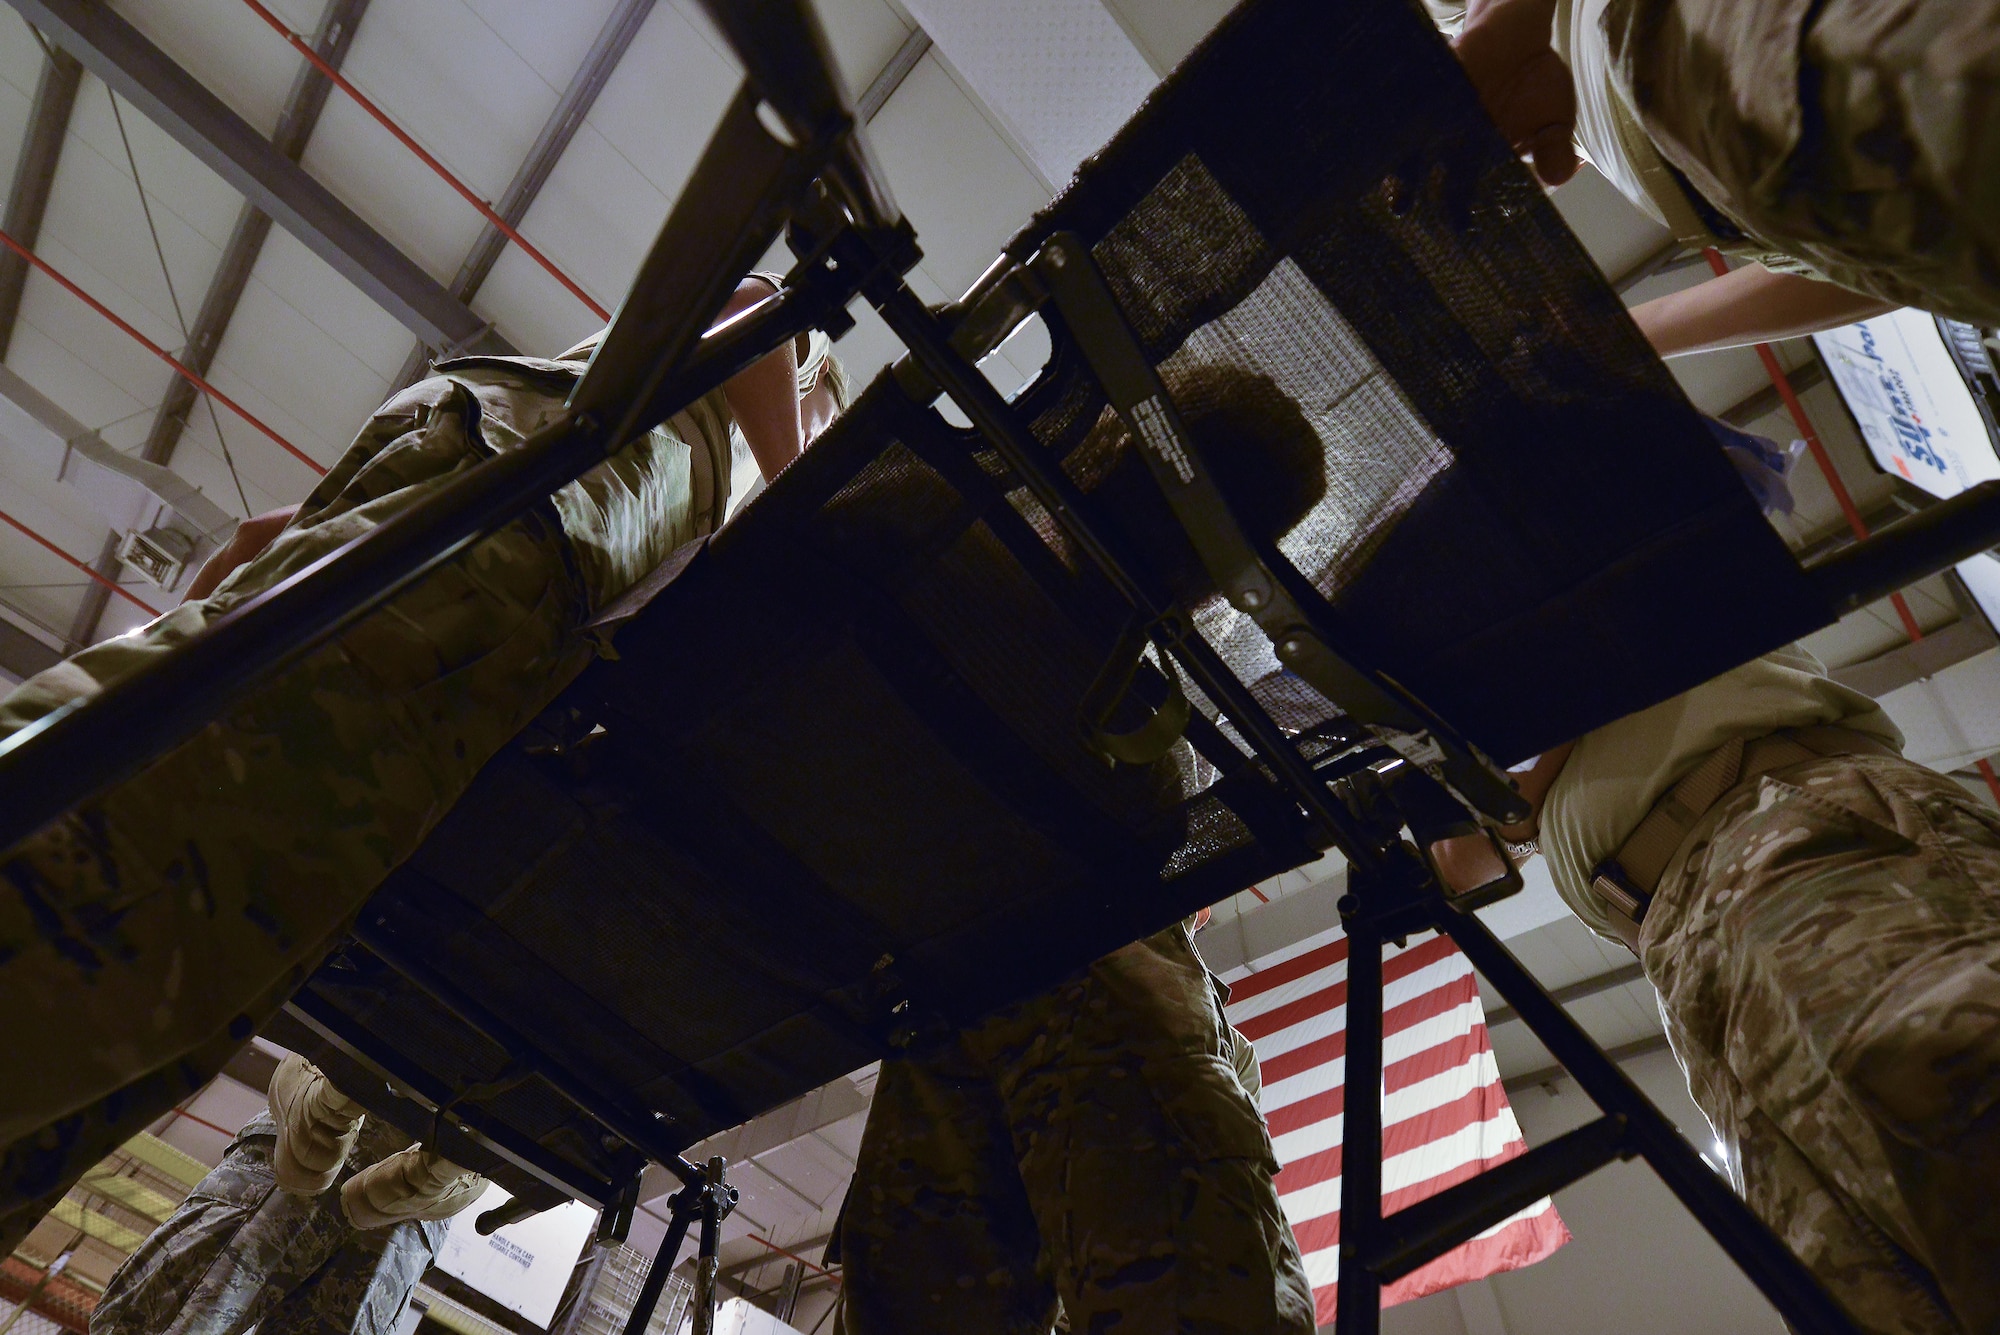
1444, 1113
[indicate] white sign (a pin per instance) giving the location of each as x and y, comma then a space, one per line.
1907, 395
734, 1316
1981, 574
524, 1266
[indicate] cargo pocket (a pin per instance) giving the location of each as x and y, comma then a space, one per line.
1213, 1118
244, 1179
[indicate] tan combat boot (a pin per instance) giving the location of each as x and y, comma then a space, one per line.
411, 1184
317, 1125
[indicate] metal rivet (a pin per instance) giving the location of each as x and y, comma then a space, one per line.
1253, 598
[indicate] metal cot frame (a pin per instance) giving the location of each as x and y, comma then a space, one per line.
790, 149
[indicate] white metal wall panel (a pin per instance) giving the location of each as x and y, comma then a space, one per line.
20, 70
1166, 30
1617, 235
1953, 718
95, 232
228, 48
551, 39
313, 353
961, 185
460, 90
606, 198
1060, 74
864, 34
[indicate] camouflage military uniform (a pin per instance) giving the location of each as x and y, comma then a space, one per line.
144, 936
1828, 960
1859, 136
1092, 1143
239, 1252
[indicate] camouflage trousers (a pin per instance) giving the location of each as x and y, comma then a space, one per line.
241, 1253
1092, 1143
1860, 136
1828, 961
146, 935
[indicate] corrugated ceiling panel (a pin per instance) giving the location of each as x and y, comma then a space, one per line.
80, 366
20, 68
267, 483
390, 189
1166, 30
296, 373
659, 107
94, 213
845, 1135
458, 89
864, 33
550, 38
1061, 74
374, 339
537, 314
811, 1167
96, 234
957, 179
606, 198
92, 371
1617, 235
228, 48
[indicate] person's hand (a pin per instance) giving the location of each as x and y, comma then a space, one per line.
1522, 83
252, 536
1467, 861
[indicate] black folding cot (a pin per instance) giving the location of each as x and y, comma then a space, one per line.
849, 777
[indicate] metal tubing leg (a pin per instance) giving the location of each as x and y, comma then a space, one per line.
1360, 1300
1418, 1234
422, 1094
513, 1212
931, 349
1770, 1265
635, 1127
681, 1212
716, 1199
1898, 556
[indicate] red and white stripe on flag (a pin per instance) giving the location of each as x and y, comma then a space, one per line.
1445, 1116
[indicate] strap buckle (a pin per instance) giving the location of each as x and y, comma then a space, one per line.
1164, 725
1623, 894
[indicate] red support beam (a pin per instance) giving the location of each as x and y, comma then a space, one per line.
402, 136
82, 565
818, 1269
180, 369
1783, 384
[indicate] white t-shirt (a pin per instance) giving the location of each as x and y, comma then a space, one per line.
1611, 139
1579, 40
1604, 129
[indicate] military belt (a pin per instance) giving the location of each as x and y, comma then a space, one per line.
1628, 878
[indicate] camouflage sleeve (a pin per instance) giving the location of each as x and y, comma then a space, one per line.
407, 412
90, 670
1243, 1056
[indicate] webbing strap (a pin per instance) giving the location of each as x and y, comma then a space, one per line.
1645, 854
1156, 736
1628, 878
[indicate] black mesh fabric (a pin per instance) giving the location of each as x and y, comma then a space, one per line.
1525, 523
840, 792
